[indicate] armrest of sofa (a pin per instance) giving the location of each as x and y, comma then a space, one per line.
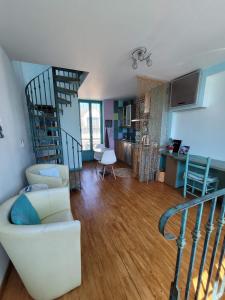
39, 252
50, 201
38, 243
64, 172
39, 179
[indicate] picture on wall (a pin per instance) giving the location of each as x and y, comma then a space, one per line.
184, 150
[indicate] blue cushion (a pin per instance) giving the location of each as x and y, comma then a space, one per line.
23, 213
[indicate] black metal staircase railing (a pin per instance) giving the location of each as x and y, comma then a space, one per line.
218, 242
46, 95
73, 158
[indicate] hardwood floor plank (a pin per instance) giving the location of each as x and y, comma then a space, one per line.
123, 254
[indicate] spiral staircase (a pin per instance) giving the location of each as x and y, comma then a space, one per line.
47, 96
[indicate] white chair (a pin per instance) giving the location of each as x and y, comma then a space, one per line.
46, 256
33, 176
108, 159
98, 154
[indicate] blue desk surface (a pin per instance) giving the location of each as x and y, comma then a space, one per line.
215, 164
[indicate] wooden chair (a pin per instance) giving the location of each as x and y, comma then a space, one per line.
197, 178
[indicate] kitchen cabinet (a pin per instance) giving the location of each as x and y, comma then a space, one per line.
126, 114
127, 152
124, 151
119, 150
122, 116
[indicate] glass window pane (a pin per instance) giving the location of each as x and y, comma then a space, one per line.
96, 123
85, 125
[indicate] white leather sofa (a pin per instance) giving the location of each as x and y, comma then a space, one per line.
46, 256
33, 176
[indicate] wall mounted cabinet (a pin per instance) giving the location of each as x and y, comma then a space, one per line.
128, 115
187, 92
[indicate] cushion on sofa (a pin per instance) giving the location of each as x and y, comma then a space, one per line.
23, 213
52, 172
61, 216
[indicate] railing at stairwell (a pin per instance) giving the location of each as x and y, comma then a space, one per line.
39, 92
217, 249
72, 150
40, 95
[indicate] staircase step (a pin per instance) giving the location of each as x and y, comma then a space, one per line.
44, 108
46, 117
58, 69
47, 137
49, 158
65, 91
48, 147
50, 128
75, 183
75, 186
66, 79
63, 101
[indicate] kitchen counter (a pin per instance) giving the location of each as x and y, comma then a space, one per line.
127, 151
127, 141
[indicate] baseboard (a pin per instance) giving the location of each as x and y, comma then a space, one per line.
5, 280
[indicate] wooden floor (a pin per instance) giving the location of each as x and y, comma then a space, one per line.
123, 254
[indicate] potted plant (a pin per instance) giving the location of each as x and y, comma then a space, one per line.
170, 148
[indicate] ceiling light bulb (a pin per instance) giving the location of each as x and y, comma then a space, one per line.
134, 64
148, 61
140, 55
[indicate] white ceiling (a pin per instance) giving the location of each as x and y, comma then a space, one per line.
97, 37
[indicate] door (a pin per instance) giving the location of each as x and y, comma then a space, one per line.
91, 127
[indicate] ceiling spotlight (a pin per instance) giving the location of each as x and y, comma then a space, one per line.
134, 64
149, 61
140, 54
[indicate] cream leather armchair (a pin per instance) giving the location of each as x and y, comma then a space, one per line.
33, 176
46, 256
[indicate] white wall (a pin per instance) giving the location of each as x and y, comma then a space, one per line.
204, 129
30, 70
15, 147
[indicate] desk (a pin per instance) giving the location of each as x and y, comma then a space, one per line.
174, 166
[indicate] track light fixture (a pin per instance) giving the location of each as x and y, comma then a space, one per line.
141, 54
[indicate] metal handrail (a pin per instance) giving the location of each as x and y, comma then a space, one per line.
181, 207
26, 87
72, 137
